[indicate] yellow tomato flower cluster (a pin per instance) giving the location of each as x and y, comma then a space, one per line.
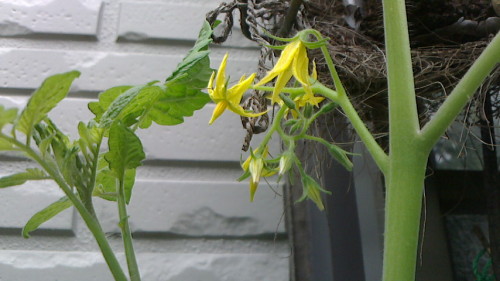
228, 98
292, 62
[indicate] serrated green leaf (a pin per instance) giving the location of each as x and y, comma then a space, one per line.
50, 93
177, 102
106, 183
114, 110
105, 99
21, 178
7, 116
125, 149
46, 214
195, 69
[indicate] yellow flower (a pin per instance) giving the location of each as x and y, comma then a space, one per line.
228, 98
292, 62
256, 166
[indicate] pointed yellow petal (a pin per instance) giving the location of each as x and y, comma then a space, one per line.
280, 84
301, 66
219, 109
284, 62
220, 82
235, 93
253, 189
314, 74
236, 108
211, 92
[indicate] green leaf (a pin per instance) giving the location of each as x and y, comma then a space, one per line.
114, 110
46, 214
20, 178
7, 115
106, 98
177, 102
106, 183
6, 145
125, 149
50, 93
195, 69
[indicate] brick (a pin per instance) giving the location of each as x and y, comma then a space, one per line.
198, 209
27, 68
90, 266
172, 21
75, 17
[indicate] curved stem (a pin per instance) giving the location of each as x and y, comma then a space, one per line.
462, 93
91, 222
378, 154
133, 268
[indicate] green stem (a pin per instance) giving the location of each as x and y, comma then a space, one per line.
378, 154
404, 189
293, 91
91, 222
133, 268
462, 93
276, 123
405, 177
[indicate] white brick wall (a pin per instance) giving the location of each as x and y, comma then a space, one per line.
191, 219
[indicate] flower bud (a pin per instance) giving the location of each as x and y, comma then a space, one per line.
286, 162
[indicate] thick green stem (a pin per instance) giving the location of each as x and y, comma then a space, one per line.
404, 189
407, 159
133, 268
91, 222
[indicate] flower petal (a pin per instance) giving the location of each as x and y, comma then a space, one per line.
253, 189
236, 108
220, 82
283, 78
235, 93
211, 91
220, 107
283, 63
301, 66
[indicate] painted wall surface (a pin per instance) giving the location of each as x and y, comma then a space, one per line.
190, 217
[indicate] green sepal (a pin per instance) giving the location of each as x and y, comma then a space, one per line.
340, 155
50, 93
245, 175
290, 122
21, 178
312, 190
46, 214
308, 110
327, 108
287, 100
